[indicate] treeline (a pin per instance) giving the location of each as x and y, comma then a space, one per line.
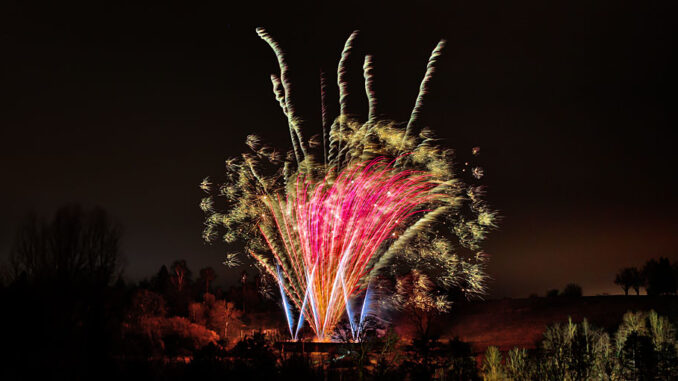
657, 277
67, 309
171, 315
63, 297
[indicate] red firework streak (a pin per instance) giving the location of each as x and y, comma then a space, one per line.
329, 232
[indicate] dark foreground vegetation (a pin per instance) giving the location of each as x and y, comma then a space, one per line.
68, 314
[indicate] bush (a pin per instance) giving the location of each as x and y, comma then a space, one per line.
175, 336
572, 290
491, 367
462, 364
256, 354
518, 365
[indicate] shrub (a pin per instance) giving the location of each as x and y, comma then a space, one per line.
518, 366
574, 351
572, 290
491, 368
461, 363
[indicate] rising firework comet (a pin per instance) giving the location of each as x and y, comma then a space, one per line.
324, 229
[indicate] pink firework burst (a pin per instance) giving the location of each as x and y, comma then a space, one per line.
331, 231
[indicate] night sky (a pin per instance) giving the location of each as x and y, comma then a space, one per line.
128, 107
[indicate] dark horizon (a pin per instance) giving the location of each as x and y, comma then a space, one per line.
129, 107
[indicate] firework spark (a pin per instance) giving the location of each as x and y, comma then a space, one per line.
332, 229
323, 229
232, 260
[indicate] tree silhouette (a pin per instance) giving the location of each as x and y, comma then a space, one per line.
572, 290
161, 282
145, 304
629, 277
207, 275
660, 277
76, 246
461, 363
180, 274
634, 348
638, 280
63, 308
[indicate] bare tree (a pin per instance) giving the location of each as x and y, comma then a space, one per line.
75, 246
180, 274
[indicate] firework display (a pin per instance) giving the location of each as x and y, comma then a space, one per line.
327, 218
